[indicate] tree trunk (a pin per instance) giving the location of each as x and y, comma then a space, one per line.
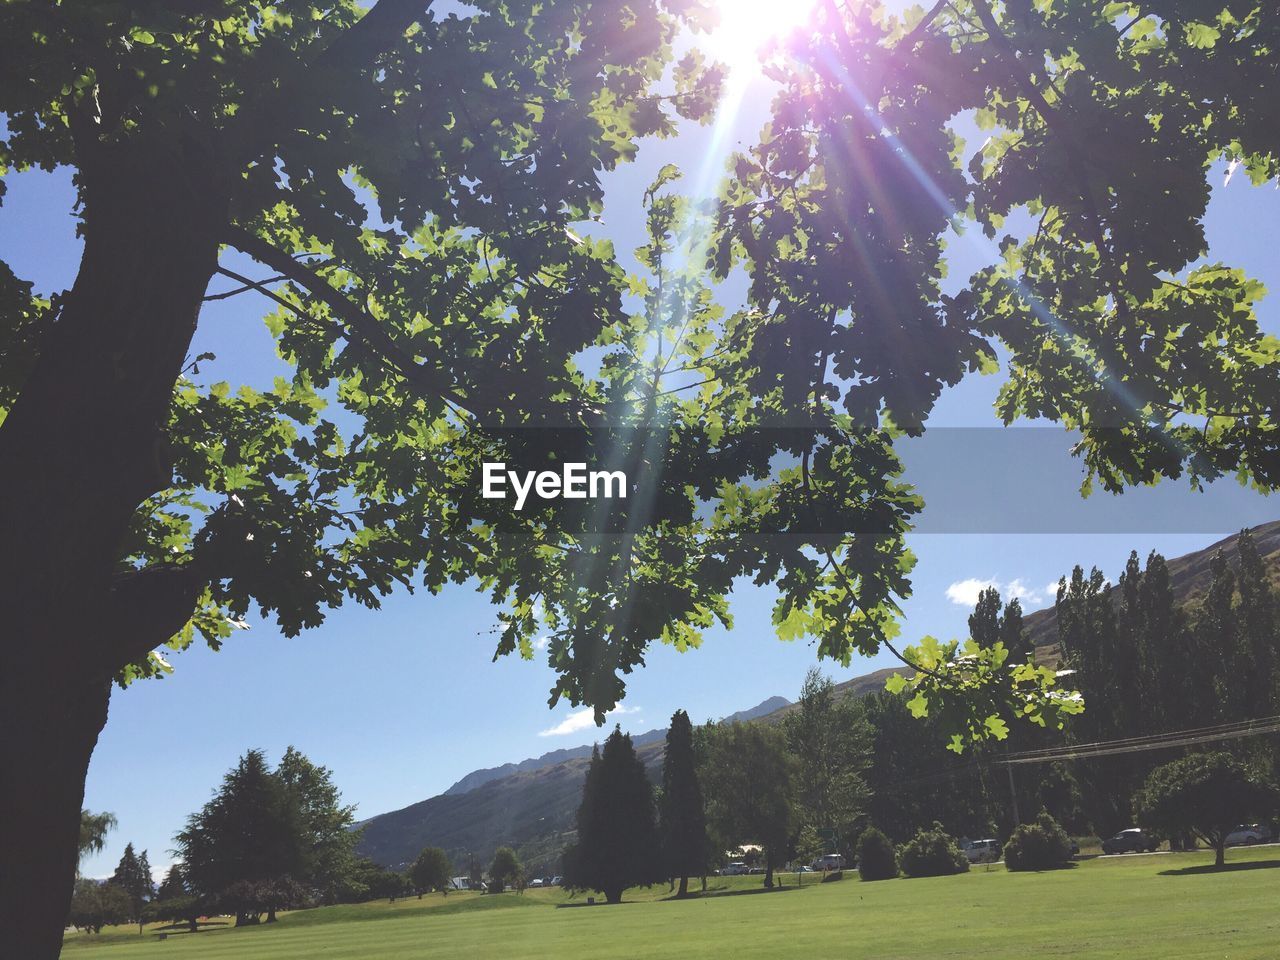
49, 733
768, 874
82, 447
684, 886
1220, 852
613, 896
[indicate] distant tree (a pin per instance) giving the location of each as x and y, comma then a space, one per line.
133, 876
618, 844
96, 905
431, 871
682, 820
748, 776
831, 742
876, 857
326, 822
1258, 632
248, 836
505, 869
1042, 845
984, 622
94, 828
1013, 632
1205, 794
932, 852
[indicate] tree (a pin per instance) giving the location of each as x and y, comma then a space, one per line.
1042, 845
748, 776
94, 828
876, 857
1206, 794
326, 821
682, 820
618, 843
96, 905
462, 307
432, 871
831, 742
133, 876
245, 841
504, 869
932, 852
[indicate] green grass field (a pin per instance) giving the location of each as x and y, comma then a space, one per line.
1135, 907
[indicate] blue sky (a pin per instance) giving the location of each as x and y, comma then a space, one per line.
402, 702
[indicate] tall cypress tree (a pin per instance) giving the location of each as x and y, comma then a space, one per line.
984, 622
618, 843
683, 823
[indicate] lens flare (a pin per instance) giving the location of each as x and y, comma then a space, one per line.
747, 26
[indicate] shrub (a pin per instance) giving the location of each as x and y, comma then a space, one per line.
932, 853
1042, 845
876, 859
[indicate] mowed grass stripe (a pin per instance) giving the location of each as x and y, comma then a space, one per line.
1144, 907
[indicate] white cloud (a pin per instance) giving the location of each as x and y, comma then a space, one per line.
965, 592
583, 719
541, 643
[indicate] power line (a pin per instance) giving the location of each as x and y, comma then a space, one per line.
1158, 741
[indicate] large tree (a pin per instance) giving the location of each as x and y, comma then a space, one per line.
1206, 794
682, 820
133, 876
245, 841
326, 822
748, 775
831, 741
422, 187
618, 844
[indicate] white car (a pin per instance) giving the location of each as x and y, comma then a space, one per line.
1247, 834
735, 869
982, 851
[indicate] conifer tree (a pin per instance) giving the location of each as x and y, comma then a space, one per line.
133, 876
683, 823
617, 843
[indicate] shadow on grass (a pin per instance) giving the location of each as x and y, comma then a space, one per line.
1069, 865
1226, 868
740, 892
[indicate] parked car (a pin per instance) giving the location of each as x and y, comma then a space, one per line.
982, 851
557, 881
735, 868
1248, 834
830, 861
536, 882
1132, 840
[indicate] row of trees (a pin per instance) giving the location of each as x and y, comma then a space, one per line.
792, 787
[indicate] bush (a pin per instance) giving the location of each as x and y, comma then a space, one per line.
932, 853
1042, 845
876, 859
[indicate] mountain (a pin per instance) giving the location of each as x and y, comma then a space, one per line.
531, 805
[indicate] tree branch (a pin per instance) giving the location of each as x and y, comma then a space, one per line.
144, 609
1053, 120
358, 322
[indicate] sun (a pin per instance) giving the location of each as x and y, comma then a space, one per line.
747, 26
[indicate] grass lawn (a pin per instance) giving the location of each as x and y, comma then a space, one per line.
1133, 907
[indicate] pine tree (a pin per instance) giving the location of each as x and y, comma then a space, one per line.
683, 823
617, 843
133, 877
1256, 630
330, 843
